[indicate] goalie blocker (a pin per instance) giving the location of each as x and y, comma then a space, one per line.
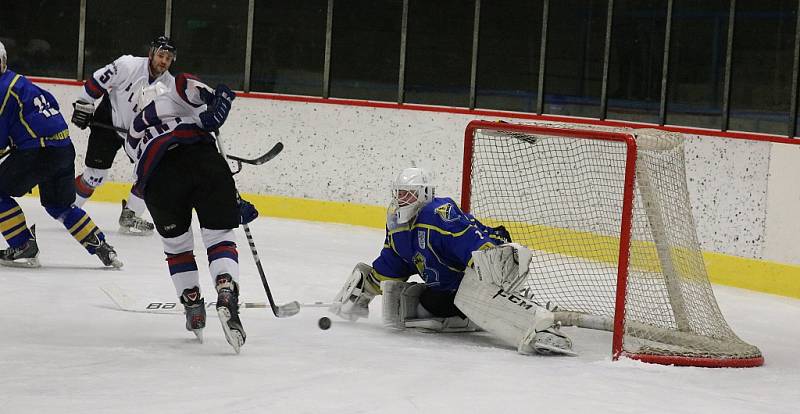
486, 296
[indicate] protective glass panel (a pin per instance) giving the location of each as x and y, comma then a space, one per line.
365, 55
41, 37
574, 69
211, 39
109, 34
636, 60
439, 52
289, 57
761, 77
508, 55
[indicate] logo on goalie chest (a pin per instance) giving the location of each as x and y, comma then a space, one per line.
421, 239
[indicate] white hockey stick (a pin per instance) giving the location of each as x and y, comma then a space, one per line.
125, 302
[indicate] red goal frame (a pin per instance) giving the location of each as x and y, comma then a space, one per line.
625, 231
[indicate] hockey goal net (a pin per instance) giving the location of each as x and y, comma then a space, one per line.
607, 213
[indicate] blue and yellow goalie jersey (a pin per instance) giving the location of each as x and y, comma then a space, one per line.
437, 245
29, 115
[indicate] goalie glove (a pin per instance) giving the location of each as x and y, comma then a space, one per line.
352, 301
506, 266
83, 114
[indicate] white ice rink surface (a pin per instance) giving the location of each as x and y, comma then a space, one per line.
65, 349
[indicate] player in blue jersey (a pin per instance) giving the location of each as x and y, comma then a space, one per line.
464, 264
40, 152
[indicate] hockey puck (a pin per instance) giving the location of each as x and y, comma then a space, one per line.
324, 323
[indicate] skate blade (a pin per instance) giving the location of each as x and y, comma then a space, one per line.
134, 232
233, 337
27, 263
115, 263
199, 334
543, 349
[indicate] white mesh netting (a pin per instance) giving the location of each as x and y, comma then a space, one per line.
563, 198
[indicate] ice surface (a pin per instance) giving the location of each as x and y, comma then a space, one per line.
65, 349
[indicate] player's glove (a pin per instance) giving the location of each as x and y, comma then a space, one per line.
247, 211
218, 107
83, 113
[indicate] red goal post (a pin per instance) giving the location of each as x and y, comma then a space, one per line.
607, 213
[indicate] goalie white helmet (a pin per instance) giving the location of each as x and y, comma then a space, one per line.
3, 58
411, 191
148, 93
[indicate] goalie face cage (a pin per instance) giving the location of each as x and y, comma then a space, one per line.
607, 215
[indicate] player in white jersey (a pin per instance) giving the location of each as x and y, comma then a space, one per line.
178, 169
118, 86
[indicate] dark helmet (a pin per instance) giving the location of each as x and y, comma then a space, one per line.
163, 43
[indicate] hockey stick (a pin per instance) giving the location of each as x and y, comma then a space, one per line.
107, 126
282, 311
272, 153
124, 302
5, 152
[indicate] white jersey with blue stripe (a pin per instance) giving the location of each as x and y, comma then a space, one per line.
122, 80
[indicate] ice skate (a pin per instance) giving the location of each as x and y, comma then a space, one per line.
26, 255
228, 311
106, 253
130, 224
552, 341
195, 310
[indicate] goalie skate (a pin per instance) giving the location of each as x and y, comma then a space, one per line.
552, 342
26, 255
130, 224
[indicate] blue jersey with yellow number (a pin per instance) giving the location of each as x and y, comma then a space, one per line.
437, 245
29, 115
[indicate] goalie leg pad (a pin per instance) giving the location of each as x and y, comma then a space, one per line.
513, 319
402, 309
401, 303
453, 324
392, 298
352, 301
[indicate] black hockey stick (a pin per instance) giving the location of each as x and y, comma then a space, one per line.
280, 311
107, 126
272, 153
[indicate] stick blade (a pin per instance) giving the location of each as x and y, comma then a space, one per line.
272, 153
287, 310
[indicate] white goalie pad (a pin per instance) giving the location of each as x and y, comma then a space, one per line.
515, 320
506, 265
402, 309
453, 324
392, 303
352, 301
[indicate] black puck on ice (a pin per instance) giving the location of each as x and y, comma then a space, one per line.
324, 323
